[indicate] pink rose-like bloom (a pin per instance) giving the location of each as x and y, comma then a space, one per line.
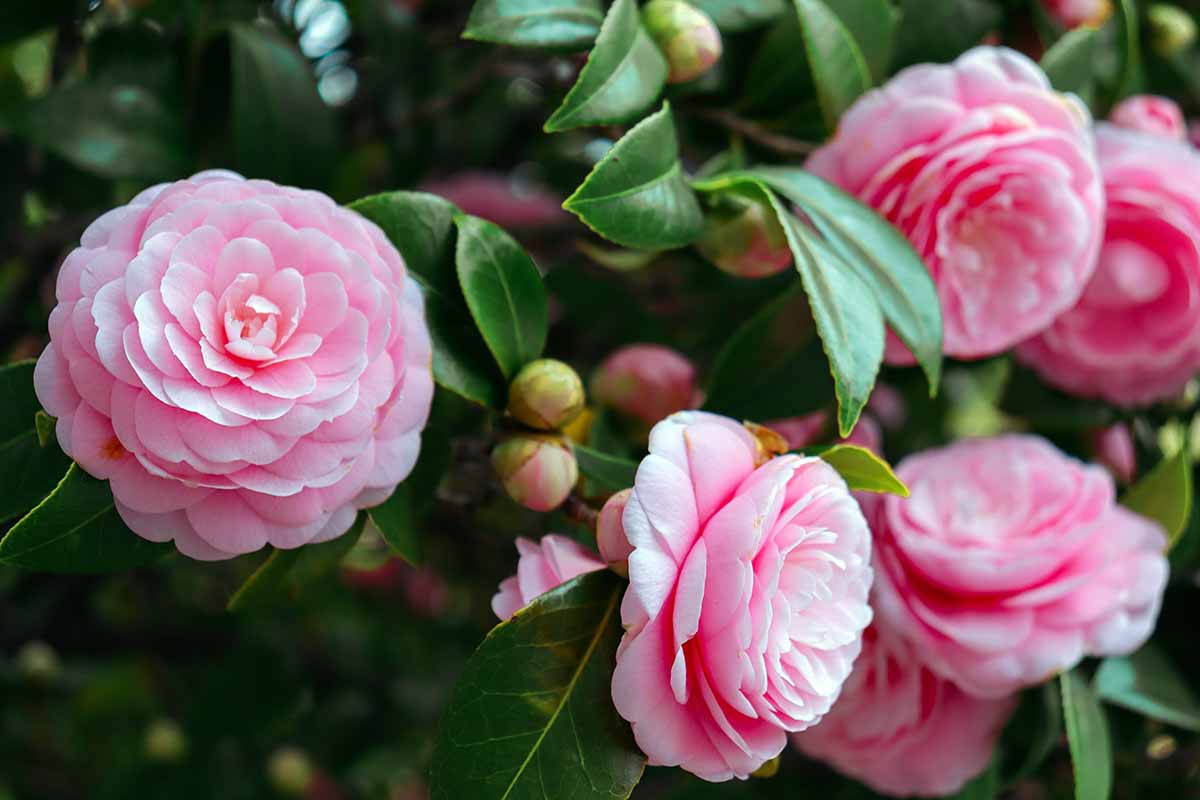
1010, 562
1134, 336
500, 199
1150, 113
901, 729
543, 565
991, 175
646, 381
747, 597
245, 363
1073, 13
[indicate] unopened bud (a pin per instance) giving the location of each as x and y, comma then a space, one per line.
537, 471
1074, 13
1114, 448
546, 394
165, 741
745, 239
646, 381
1160, 116
1172, 29
686, 35
614, 546
290, 771
38, 662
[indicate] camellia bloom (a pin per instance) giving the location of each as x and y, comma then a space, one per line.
747, 597
1151, 114
991, 175
646, 381
544, 565
245, 363
1073, 13
901, 729
1010, 562
1134, 336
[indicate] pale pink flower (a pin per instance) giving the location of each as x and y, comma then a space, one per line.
245, 363
901, 729
991, 175
747, 597
1150, 113
543, 566
1011, 561
1073, 13
1134, 336
646, 381
1114, 448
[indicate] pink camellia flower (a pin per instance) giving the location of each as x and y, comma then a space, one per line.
500, 199
991, 175
245, 363
1113, 447
1151, 114
1010, 562
1073, 13
646, 381
901, 729
1134, 336
747, 597
543, 565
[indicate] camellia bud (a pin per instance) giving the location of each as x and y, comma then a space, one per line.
546, 394
686, 35
38, 662
745, 239
1171, 29
610, 533
537, 471
290, 771
646, 381
165, 741
1114, 448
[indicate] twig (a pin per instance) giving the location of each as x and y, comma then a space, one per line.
785, 145
579, 511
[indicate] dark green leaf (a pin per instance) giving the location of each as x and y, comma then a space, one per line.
282, 130
421, 226
983, 786
862, 469
623, 76
732, 16
504, 292
77, 529
638, 196
940, 30
394, 519
1129, 58
1069, 61
265, 585
872, 24
610, 472
1164, 495
31, 470
21, 19
839, 69
1046, 724
532, 717
1087, 735
1147, 684
535, 23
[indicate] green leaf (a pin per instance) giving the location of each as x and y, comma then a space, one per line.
1087, 735
421, 226
1164, 495
265, 584
839, 69
1046, 724
771, 367
872, 24
880, 256
941, 30
1147, 684
504, 292
535, 23
610, 472
77, 529
1129, 60
282, 130
617, 260
623, 76
31, 470
638, 196
983, 786
395, 521
1069, 61
532, 716
733, 16
862, 469
21, 19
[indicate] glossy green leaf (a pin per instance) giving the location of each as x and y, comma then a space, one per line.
839, 70
265, 584
77, 529
1164, 495
396, 523
623, 76
862, 469
31, 469
532, 716
880, 256
1129, 56
872, 24
1146, 683
940, 30
1046, 724
1088, 737
282, 130
733, 16
503, 290
535, 23
613, 473
21, 19
421, 226
637, 195
1070, 61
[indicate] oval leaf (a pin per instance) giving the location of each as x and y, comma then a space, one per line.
535, 23
77, 529
30, 468
1087, 735
1146, 683
637, 195
862, 470
1165, 495
532, 716
396, 524
623, 76
1068, 62
939, 30
610, 472
872, 24
838, 68
504, 292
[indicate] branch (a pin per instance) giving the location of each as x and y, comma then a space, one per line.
785, 145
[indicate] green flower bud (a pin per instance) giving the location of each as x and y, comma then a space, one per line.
165, 741
290, 771
546, 394
743, 238
686, 35
1172, 29
538, 471
38, 662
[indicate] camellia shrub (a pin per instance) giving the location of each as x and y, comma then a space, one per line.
578, 400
